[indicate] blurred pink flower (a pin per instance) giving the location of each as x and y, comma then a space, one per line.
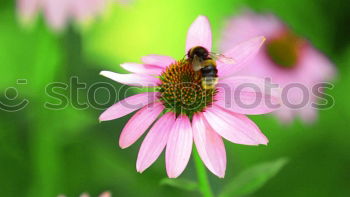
285, 58
105, 194
59, 12
175, 126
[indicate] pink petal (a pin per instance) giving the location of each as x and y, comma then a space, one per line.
154, 142
242, 54
56, 13
142, 68
246, 25
209, 145
106, 194
199, 34
132, 79
27, 9
158, 60
314, 60
98, 6
308, 114
248, 95
139, 123
128, 105
285, 115
83, 10
234, 127
179, 147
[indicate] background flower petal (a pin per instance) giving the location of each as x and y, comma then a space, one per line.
246, 25
27, 9
84, 195
56, 13
315, 60
106, 194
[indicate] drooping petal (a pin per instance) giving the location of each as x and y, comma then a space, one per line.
128, 105
27, 9
132, 79
248, 95
242, 54
209, 145
236, 128
98, 6
179, 147
154, 142
86, 10
158, 60
142, 68
199, 34
308, 114
56, 13
139, 123
81, 9
285, 115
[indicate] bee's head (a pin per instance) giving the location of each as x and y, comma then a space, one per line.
199, 51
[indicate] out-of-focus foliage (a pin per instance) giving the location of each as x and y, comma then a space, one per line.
44, 152
179, 183
150, 27
34, 56
252, 179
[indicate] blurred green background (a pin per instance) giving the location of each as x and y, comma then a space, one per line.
44, 153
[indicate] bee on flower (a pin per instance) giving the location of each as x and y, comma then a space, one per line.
190, 104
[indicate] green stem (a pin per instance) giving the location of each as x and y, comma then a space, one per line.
204, 185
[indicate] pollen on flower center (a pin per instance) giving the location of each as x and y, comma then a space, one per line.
181, 90
284, 50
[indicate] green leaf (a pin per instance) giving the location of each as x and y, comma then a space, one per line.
180, 184
252, 179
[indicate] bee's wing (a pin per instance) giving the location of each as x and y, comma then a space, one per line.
196, 63
222, 58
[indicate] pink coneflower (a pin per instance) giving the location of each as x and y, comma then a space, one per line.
285, 58
59, 12
181, 111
